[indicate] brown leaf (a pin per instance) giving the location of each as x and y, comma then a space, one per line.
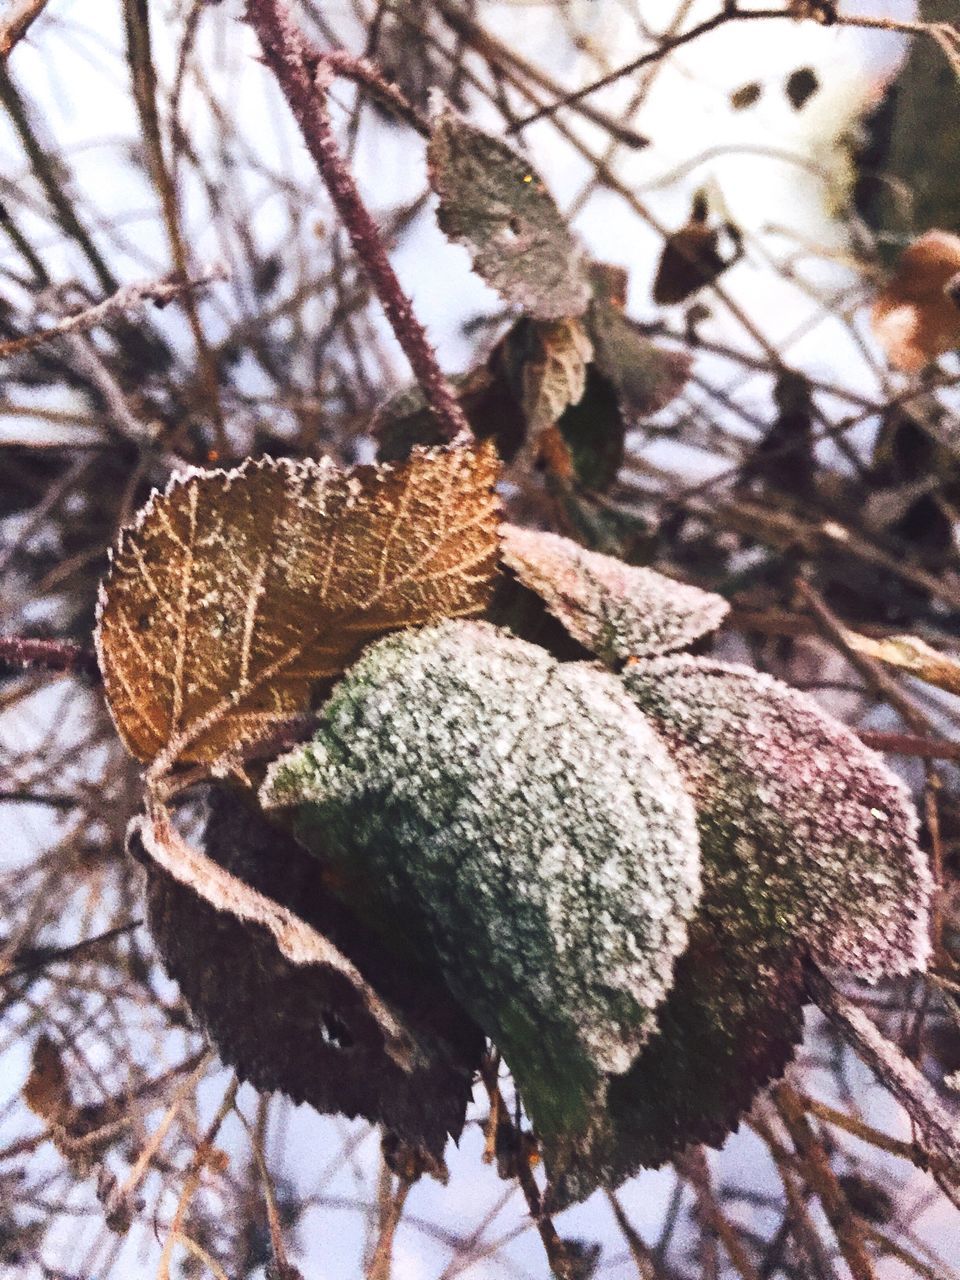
915, 316
46, 1090
914, 655
691, 257
234, 592
492, 202
555, 374
306, 1029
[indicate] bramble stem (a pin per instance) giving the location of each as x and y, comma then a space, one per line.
291, 59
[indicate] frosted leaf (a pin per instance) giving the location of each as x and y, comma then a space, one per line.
523, 823
235, 591
555, 372
613, 609
305, 1029
492, 202
777, 777
808, 849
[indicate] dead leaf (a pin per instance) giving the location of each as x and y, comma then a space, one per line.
305, 1029
915, 317
46, 1090
555, 376
294, 938
913, 655
691, 257
496, 205
234, 592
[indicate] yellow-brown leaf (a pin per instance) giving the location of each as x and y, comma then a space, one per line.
235, 591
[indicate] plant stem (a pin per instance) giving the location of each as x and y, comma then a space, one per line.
289, 56
52, 655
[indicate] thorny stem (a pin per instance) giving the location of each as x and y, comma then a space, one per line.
53, 655
289, 56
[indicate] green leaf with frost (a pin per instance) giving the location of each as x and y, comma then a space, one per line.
615, 610
808, 848
495, 204
519, 820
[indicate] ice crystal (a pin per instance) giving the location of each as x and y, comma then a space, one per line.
614, 609
523, 822
781, 782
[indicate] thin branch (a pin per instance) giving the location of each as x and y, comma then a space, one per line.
19, 22
290, 58
63, 656
130, 296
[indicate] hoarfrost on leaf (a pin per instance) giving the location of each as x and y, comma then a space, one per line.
235, 591
615, 610
521, 821
834, 827
495, 204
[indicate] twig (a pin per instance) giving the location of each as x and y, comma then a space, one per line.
693, 1166
160, 291
893, 1069
290, 58
819, 1176
43, 956
52, 655
16, 26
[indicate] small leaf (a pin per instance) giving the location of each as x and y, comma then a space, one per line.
523, 824
495, 204
46, 1090
235, 592
915, 317
801, 85
306, 1028
746, 96
615, 610
691, 257
914, 655
646, 376
555, 375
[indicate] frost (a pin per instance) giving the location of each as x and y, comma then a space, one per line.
614, 609
522, 820
835, 830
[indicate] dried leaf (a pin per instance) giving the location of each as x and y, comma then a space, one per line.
914, 655
46, 1090
524, 825
615, 610
305, 1029
746, 95
490, 406
645, 376
691, 257
234, 592
801, 85
492, 202
296, 940
915, 317
555, 375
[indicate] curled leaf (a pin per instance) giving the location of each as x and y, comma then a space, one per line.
692, 257
555, 376
915, 316
523, 825
495, 204
307, 1028
614, 610
234, 592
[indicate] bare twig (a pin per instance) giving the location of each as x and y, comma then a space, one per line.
126, 299
289, 57
19, 21
53, 655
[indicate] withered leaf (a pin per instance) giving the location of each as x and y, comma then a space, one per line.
692, 257
234, 592
614, 610
555, 374
914, 655
307, 1029
497, 206
915, 316
646, 376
